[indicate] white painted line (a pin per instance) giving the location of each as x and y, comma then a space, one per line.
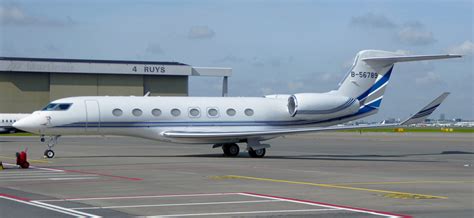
65, 209
47, 169
39, 176
43, 179
29, 173
20, 170
39, 168
244, 212
36, 205
139, 197
170, 205
322, 205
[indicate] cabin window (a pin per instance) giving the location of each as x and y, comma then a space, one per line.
175, 112
137, 112
248, 112
117, 112
194, 112
212, 112
156, 112
231, 112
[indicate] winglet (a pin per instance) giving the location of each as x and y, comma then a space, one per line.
426, 111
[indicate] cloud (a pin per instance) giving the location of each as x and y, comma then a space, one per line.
466, 48
295, 85
371, 20
403, 52
267, 90
330, 77
415, 34
154, 49
257, 62
429, 79
275, 62
201, 32
15, 15
229, 59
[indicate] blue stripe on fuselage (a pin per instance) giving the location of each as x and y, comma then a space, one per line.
226, 123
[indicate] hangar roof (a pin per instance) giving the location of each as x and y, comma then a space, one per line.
89, 61
57, 65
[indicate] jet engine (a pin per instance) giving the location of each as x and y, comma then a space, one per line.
321, 105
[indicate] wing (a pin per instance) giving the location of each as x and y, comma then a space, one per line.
416, 118
426, 111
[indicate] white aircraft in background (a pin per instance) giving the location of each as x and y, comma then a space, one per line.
225, 121
7, 120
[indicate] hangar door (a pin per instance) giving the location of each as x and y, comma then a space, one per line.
92, 116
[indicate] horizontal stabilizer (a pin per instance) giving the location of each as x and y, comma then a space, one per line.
394, 59
426, 111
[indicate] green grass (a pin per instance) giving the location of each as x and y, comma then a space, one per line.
18, 134
414, 129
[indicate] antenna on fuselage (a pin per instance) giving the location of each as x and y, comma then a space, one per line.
147, 94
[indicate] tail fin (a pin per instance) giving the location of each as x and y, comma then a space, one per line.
370, 73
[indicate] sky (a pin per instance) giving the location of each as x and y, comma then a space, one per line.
273, 46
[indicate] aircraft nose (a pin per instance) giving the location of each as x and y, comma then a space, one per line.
30, 123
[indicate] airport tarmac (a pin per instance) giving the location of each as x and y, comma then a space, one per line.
315, 175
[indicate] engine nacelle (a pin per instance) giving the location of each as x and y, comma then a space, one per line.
321, 105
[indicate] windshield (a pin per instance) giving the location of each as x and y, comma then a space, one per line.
57, 107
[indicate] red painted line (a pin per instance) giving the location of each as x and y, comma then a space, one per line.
14, 197
103, 174
331, 205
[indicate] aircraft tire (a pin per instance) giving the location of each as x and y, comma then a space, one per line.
257, 153
49, 153
231, 150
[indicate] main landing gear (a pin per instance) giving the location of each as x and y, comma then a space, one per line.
259, 153
51, 141
254, 148
230, 150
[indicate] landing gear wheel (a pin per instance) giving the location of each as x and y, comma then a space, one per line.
231, 150
257, 153
49, 153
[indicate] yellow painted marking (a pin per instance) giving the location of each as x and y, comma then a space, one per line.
387, 193
32, 161
405, 182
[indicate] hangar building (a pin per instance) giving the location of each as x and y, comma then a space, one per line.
28, 84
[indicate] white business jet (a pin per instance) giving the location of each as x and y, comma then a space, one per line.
226, 121
8, 119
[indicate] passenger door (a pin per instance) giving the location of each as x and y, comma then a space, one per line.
92, 116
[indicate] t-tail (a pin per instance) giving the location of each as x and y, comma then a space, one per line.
369, 76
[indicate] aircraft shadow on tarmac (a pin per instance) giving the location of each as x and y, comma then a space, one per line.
331, 157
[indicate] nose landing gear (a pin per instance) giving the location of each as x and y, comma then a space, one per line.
52, 140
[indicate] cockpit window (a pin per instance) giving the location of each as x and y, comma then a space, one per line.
57, 107
63, 107
50, 107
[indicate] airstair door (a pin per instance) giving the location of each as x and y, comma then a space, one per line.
92, 116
